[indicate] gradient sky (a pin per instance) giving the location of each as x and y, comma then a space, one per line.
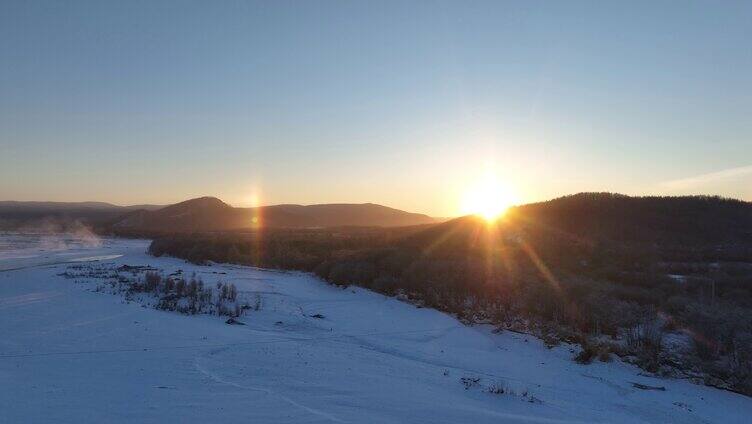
397, 103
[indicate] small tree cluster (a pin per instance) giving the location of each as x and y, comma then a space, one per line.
189, 296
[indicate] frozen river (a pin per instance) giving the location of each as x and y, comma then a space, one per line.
312, 352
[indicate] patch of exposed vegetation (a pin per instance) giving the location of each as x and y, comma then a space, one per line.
171, 293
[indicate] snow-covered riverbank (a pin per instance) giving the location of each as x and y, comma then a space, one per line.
311, 353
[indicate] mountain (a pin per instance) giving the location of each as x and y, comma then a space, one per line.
57, 216
211, 214
12, 207
335, 215
201, 214
646, 219
567, 226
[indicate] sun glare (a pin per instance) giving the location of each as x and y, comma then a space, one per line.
489, 198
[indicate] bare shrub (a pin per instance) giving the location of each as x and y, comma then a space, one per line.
646, 342
604, 355
152, 280
705, 348
168, 286
180, 287
497, 389
257, 302
587, 354
470, 382
224, 292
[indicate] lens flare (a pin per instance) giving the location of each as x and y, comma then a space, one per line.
489, 198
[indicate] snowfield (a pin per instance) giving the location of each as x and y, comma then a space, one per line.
311, 353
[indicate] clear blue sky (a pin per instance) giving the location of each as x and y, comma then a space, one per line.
390, 102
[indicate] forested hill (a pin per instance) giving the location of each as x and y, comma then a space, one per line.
594, 226
208, 214
608, 216
204, 214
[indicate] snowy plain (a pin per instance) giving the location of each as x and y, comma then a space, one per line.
312, 353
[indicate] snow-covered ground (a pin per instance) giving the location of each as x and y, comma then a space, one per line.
69, 354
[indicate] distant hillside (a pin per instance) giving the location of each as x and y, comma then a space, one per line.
56, 216
336, 215
12, 206
197, 215
607, 216
579, 227
211, 214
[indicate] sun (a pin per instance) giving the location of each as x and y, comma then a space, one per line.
489, 197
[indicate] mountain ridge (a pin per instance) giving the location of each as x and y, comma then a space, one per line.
212, 214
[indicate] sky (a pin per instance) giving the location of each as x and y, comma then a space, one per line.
404, 104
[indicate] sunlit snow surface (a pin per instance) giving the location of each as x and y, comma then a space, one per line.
70, 355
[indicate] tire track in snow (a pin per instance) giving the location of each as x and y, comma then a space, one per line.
84, 323
28, 299
218, 379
